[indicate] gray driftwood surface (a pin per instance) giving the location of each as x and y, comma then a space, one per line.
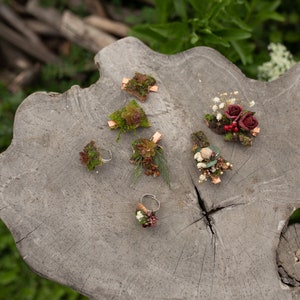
78, 227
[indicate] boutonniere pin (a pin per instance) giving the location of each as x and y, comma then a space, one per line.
148, 156
128, 118
139, 86
209, 161
230, 118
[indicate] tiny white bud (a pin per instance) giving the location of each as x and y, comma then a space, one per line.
216, 99
201, 165
215, 107
251, 103
219, 116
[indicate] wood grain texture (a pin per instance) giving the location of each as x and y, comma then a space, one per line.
78, 227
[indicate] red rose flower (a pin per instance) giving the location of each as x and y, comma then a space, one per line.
233, 111
247, 121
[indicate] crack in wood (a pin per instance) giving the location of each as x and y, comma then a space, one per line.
29, 233
205, 212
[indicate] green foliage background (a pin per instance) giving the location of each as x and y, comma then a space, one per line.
240, 29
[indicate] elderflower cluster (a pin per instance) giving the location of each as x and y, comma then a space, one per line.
281, 61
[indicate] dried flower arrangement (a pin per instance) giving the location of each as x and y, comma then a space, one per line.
139, 86
148, 155
145, 217
209, 161
90, 156
128, 118
230, 118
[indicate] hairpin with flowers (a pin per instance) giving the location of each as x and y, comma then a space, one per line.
232, 119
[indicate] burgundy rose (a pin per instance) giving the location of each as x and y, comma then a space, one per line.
247, 121
233, 111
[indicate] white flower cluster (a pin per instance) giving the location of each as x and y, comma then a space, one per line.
139, 215
221, 102
281, 60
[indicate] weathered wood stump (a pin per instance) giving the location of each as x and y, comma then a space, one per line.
78, 227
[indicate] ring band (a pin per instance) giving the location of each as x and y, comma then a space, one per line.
154, 198
105, 160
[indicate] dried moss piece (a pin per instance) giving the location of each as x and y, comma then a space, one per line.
148, 155
128, 118
200, 139
139, 86
90, 156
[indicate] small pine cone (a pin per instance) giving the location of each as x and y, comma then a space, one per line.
154, 167
156, 173
148, 172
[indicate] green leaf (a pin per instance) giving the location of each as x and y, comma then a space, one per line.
194, 38
214, 39
161, 161
7, 277
163, 9
180, 8
233, 34
295, 217
210, 164
245, 58
215, 149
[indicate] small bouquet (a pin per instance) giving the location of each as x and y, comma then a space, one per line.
145, 217
209, 161
139, 86
148, 155
231, 119
90, 156
128, 118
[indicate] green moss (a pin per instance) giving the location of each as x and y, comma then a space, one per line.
139, 85
228, 137
200, 139
129, 118
90, 156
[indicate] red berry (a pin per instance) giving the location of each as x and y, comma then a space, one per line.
235, 129
225, 127
229, 127
234, 124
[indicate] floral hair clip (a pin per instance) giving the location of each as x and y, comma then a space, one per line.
209, 161
147, 217
91, 157
231, 119
148, 155
139, 86
128, 118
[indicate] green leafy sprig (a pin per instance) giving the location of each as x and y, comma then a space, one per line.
148, 155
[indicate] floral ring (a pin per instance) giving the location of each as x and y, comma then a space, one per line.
146, 217
91, 157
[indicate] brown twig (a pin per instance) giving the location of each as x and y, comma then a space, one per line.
116, 28
35, 50
83, 34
